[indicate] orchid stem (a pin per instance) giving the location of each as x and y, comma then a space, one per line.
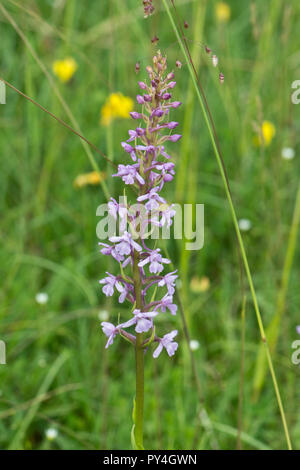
139, 359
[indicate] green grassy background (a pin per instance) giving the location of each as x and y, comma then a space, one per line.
58, 374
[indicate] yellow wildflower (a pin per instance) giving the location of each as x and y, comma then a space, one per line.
64, 69
199, 285
266, 135
95, 177
116, 106
223, 12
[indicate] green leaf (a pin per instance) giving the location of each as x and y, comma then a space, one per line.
133, 443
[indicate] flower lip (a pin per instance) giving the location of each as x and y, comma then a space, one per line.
167, 342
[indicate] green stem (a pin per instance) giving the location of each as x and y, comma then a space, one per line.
139, 359
235, 222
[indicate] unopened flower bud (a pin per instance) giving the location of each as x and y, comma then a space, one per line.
175, 104
175, 137
186, 25
221, 78
135, 115
178, 64
172, 125
142, 85
140, 99
168, 177
137, 67
159, 112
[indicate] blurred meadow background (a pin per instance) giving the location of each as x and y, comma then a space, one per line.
60, 388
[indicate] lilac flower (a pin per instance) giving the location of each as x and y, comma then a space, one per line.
166, 212
125, 244
110, 331
153, 199
167, 215
115, 209
129, 149
129, 173
110, 282
142, 320
110, 250
169, 281
135, 134
124, 292
167, 303
167, 342
156, 261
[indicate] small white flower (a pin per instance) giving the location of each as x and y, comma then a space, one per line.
245, 225
42, 298
194, 344
103, 315
288, 153
51, 434
214, 60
